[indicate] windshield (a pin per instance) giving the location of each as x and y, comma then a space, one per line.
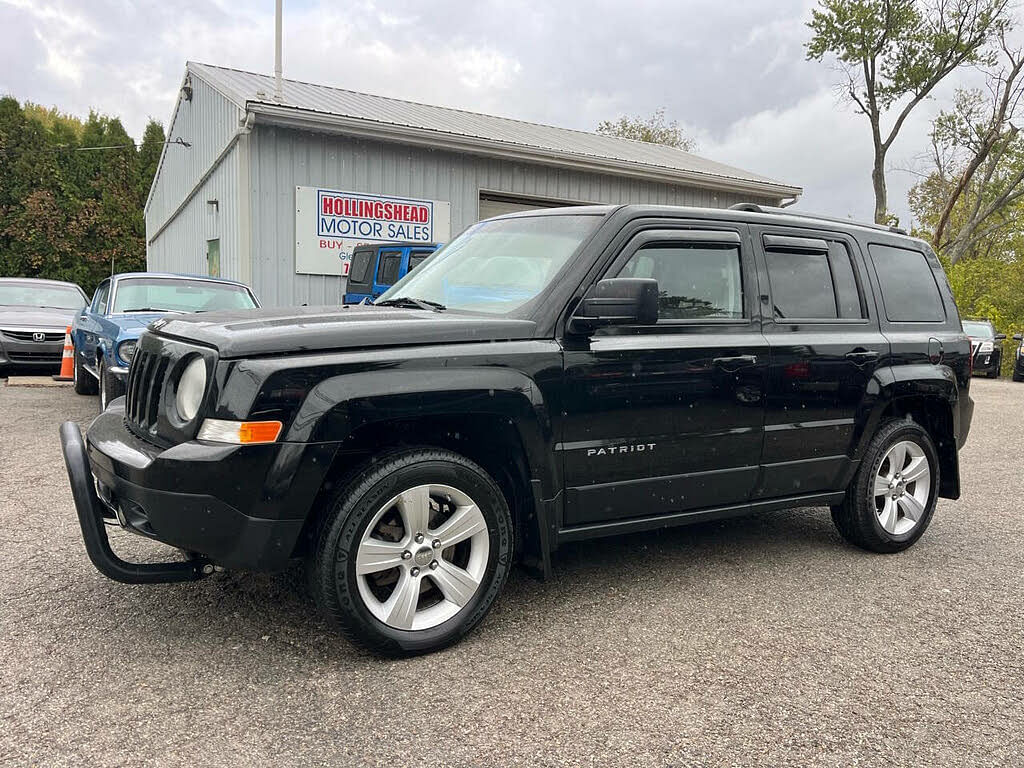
35, 295
141, 294
979, 330
497, 266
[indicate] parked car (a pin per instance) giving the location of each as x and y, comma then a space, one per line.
375, 268
547, 377
105, 332
985, 347
1018, 362
34, 316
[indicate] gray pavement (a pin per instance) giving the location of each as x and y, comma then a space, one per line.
761, 641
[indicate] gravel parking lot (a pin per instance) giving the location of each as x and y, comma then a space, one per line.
761, 641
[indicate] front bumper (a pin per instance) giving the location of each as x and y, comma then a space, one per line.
986, 362
29, 353
192, 496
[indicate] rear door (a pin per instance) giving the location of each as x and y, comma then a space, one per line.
826, 346
668, 418
361, 274
389, 269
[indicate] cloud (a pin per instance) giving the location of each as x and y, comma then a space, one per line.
733, 73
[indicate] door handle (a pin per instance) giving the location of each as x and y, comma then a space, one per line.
734, 363
862, 356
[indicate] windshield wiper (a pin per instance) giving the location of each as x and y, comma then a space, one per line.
407, 301
149, 309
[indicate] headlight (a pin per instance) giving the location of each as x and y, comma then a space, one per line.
126, 350
191, 385
986, 346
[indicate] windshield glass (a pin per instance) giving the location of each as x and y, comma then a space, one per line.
35, 295
140, 294
497, 266
978, 330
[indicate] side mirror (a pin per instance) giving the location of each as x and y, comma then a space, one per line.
1017, 337
1000, 336
617, 301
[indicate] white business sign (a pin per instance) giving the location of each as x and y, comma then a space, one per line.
330, 223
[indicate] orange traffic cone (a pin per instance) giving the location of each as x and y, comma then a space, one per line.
67, 360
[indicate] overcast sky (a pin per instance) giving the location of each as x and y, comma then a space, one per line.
731, 71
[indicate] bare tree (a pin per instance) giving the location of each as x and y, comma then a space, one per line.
893, 53
979, 136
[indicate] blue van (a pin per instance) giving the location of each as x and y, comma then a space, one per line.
375, 268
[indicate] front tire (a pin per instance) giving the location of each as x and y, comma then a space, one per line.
890, 502
85, 384
110, 386
413, 551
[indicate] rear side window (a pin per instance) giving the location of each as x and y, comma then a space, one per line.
909, 292
417, 257
360, 265
390, 264
695, 281
811, 279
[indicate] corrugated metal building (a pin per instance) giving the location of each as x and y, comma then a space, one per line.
239, 199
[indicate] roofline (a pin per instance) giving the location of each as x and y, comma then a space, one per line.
294, 117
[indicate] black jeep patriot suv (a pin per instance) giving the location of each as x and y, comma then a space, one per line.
547, 377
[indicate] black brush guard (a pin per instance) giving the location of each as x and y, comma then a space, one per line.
94, 531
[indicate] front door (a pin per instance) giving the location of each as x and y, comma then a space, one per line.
825, 348
668, 418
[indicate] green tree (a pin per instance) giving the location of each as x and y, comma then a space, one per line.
653, 130
71, 194
892, 55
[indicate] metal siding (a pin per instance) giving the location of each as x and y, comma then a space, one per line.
283, 159
208, 122
181, 246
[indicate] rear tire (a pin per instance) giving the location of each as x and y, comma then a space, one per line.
890, 502
395, 591
1017, 376
85, 384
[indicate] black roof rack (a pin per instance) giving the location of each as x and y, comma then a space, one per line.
755, 208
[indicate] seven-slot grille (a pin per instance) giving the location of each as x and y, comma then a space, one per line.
145, 386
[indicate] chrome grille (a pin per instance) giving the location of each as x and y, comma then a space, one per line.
27, 335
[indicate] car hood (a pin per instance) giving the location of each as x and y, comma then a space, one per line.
246, 333
36, 317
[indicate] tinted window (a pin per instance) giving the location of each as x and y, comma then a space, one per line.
360, 265
694, 281
909, 292
847, 295
801, 284
417, 257
390, 263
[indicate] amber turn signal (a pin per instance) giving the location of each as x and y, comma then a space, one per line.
239, 432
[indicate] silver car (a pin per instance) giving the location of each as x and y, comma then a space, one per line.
34, 315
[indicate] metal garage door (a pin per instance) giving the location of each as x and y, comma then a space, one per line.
497, 205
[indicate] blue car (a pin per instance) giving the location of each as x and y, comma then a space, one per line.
105, 332
375, 268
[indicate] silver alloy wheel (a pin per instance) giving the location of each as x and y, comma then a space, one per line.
423, 557
902, 487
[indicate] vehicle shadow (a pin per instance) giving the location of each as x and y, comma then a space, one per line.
247, 608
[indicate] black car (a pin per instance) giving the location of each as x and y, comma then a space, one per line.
1018, 361
547, 377
986, 349
34, 317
